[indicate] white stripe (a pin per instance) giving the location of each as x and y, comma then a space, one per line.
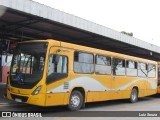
91, 84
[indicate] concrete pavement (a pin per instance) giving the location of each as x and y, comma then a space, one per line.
2, 92
3, 100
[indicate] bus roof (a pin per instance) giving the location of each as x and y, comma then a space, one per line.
93, 50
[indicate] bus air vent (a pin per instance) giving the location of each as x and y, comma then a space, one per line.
66, 85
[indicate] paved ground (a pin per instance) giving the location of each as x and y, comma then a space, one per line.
151, 103
4, 101
2, 92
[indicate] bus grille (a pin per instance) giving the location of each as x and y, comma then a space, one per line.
23, 98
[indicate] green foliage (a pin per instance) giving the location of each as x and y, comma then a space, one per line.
126, 33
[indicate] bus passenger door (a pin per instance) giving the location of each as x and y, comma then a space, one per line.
58, 76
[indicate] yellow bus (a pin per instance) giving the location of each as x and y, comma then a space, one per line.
52, 73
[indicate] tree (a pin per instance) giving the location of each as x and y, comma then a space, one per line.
127, 33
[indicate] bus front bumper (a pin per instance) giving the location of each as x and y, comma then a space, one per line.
38, 99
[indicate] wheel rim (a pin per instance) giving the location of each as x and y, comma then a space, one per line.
75, 100
134, 95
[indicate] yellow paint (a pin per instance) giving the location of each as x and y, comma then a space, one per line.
54, 99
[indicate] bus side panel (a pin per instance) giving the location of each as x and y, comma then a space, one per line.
98, 96
151, 92
53, 99
66, 98
151, 87
95, 86
116, 94
140, 84
122, 86
126, 94
92, 96
37, 100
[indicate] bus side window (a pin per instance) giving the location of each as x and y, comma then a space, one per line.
118, 66
151, 70
102, 65
83, 62
131, 68
142, 72
57, 69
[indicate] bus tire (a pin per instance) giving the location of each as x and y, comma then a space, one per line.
75, 100
134, 95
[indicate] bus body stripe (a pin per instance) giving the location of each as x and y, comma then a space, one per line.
91, 84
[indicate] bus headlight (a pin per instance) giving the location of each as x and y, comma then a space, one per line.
36, 91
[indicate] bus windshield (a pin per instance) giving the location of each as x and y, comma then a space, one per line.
28, 64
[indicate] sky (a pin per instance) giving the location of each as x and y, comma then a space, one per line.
141, 17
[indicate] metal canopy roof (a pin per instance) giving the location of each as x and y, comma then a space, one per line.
27, 20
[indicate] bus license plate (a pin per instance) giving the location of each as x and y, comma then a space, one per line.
18, 100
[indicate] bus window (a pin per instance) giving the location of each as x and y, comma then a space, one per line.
118, 66
142, 72
131, 68
83, 62
103, 65
151, 70
28, 63
57, 68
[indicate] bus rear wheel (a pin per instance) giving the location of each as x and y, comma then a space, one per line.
75, 101
134, 95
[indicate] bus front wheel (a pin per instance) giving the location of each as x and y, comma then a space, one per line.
134, 95
75, 101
